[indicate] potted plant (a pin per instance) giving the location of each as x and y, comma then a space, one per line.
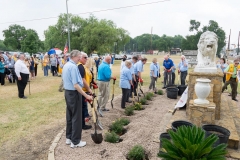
189, 143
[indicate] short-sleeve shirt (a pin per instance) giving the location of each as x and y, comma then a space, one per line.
154, 68
132, 68
182, 67
168, 64
81, 70
138, 67
125, 77
71, 76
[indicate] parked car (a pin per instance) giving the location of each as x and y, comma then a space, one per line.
118, 57
129, 56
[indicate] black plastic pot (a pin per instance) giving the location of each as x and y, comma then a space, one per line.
164, 135
221, 132
177, 124
181, 89
172, 92
171, 86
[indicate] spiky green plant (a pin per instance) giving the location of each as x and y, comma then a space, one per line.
138, 106
116, 127
160, 92
143, 101
148, 97
111, 137
151, 94
189, 143
136, 153
123, 121
129, 111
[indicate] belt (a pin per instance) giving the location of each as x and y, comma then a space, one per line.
183, 71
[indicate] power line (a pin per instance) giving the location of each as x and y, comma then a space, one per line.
110, 9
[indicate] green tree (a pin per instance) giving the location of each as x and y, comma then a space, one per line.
13, 36
31, 43
194, 25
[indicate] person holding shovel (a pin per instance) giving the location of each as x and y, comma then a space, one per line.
138, 69
126, 82
72, 82
104, 76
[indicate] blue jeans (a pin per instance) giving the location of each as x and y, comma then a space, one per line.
45, 70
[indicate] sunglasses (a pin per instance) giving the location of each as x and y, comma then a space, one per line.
236, 63
85, 57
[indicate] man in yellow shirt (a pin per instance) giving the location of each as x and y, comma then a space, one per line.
231, 78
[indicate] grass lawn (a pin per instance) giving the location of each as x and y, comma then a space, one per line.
20, 118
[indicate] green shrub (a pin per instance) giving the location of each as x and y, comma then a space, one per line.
136, 153
111, 137
190, 143
129, 111
151, 94
148, 97
138, 106
143, 101
116, 127
160, 92
123, 121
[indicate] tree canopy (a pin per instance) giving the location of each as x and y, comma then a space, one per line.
18, 38
87, 35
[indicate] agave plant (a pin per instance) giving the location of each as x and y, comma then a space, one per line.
189, 143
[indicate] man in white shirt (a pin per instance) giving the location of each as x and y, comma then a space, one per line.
22, 74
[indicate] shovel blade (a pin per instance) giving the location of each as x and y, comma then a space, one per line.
97, 138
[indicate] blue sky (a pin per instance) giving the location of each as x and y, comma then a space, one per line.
171, 17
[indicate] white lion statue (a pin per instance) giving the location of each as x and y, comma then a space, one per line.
207, 50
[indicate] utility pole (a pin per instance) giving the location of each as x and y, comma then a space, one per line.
238, 43
68, 27
151, 39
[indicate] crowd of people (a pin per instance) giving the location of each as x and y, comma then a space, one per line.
78, 80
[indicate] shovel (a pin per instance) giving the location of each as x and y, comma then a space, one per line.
94, 85
97, 138
133, 100
139, 83
113, 92
94, 112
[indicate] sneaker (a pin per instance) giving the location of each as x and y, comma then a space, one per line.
105, 109
164, 87
129, 101
68, 141
86, 127
80, 144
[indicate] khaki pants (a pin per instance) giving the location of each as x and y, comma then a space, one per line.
103, 94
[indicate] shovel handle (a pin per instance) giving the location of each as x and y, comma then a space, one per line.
93, 115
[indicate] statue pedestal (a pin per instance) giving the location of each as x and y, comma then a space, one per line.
216, 89
206, 70
202, 113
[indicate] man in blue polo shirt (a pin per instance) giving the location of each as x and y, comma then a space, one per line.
182, 69
73, 84
167, 66
104, 76
138, 69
